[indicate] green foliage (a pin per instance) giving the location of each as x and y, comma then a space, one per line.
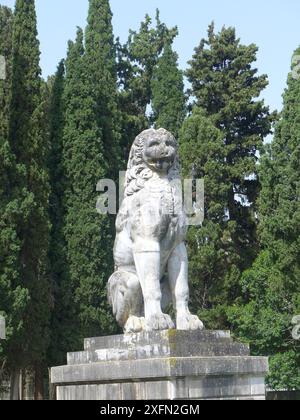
90, 154
25, 222
57, 178
225, 88
168, 99
57, 140
63, 312
285, 371
137, 60
100, 73
13, 297
6, 21
202, 155
272, 285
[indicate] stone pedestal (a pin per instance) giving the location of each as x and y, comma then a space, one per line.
167, 365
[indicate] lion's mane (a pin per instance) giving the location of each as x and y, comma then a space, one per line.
138, 173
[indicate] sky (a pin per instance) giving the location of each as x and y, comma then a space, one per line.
271, 24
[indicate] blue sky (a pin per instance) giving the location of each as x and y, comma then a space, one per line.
272, 24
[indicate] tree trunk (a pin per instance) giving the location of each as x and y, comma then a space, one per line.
29, 385
15, 385
39, 383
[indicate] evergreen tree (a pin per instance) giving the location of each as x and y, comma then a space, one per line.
271, 286
13, 298
226, 87
63, 311
137, 60
101, 84
202, 154
168, 99
56, 125
101, 79
89, 156
72, 131
6, 21
28, 140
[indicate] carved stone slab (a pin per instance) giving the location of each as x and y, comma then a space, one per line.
163, 365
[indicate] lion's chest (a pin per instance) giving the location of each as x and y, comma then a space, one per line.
162, 196
158, 215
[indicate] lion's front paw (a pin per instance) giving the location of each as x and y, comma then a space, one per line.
159, 322
134, 325
188, 322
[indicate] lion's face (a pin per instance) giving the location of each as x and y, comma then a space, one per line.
159, 151
152, 151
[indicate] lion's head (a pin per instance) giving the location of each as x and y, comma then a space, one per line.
152, 151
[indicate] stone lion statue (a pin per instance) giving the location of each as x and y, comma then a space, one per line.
150, 253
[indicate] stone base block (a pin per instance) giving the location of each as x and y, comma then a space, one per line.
169, 365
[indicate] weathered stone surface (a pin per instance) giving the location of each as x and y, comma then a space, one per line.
148, 352
158, 345
159, 368
208, 388
168, 338
162, 365
153, 360
150, 253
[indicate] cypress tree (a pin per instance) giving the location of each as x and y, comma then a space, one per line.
101, 74
28, 140
63, 311
99, 64
137, 60
13, 298
271, 286
226, 87
55, 163
90, 155
72, 132
202, 155
6, 21
168, 99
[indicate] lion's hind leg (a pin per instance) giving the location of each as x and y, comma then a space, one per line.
126, 298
